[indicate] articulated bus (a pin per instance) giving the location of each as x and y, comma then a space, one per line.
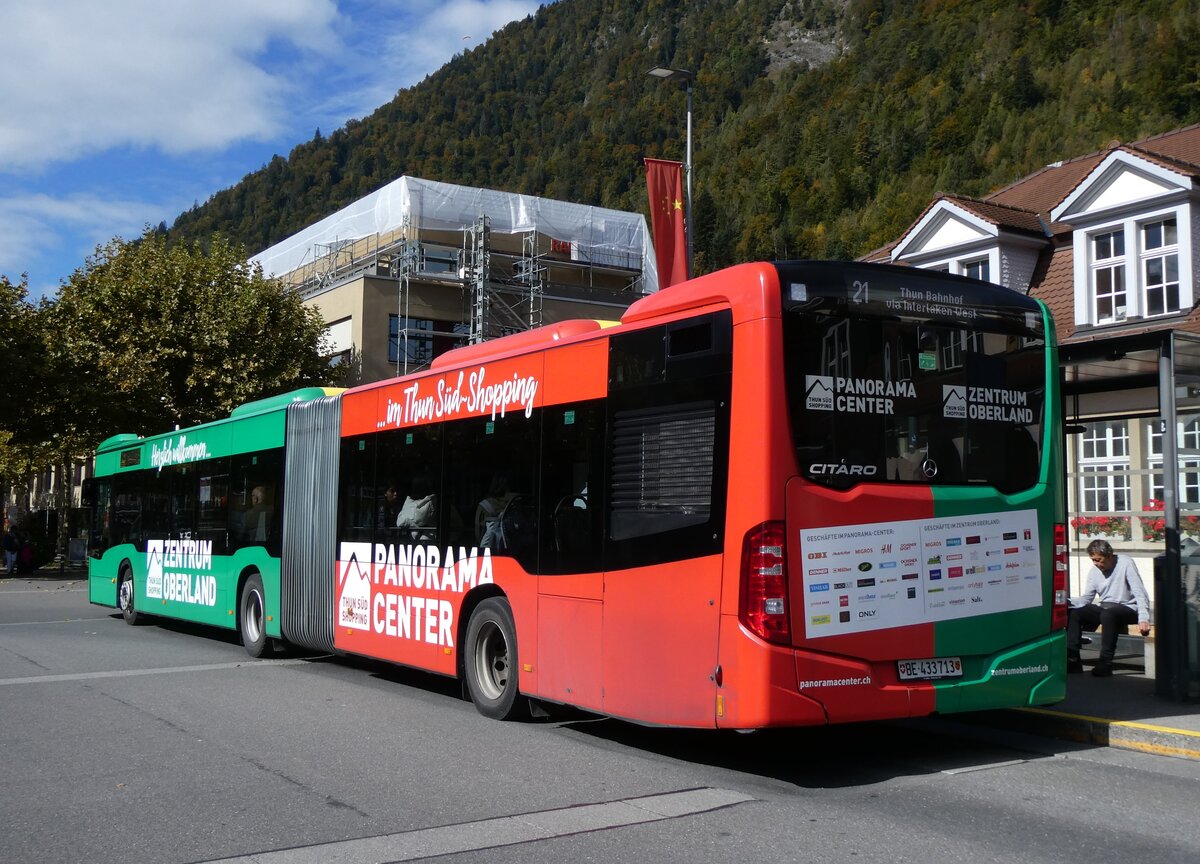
777, 495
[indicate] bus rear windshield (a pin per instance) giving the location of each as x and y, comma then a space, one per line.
886, 398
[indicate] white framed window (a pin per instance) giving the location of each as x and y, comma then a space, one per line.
979, 268
1160, 267
1109, 300
1188, 438
340, 340
1104, 466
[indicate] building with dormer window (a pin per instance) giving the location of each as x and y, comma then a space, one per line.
1109, 241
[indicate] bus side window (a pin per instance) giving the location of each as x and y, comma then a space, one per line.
572, 513
491, 477
156, 504
184, 486
409, 462
214, 494
356, 497
125, 518
254, 498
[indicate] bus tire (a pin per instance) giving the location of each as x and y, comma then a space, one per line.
252, 616
490, 664
125, 596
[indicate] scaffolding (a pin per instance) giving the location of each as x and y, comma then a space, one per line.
341, 260
477, 263
406, 265
502, 302
505, 278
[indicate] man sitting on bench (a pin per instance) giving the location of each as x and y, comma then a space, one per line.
1115, 583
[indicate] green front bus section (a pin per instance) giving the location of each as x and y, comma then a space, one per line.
201, 589
1029, 669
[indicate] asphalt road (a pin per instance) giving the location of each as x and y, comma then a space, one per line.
166, 743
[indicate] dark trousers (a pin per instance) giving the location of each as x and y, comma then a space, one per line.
1113, 618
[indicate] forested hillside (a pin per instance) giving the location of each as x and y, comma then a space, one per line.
821, 129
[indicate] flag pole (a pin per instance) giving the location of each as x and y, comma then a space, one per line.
688, 178
684, 77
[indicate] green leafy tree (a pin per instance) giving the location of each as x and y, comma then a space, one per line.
147, 335
22, 359
18, 335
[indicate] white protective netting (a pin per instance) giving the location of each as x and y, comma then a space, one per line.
598, 235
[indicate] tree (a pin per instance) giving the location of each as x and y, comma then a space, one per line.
22, 359
147, 335
18, 336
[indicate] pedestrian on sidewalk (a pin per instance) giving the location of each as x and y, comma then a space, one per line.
1116, 586
11, 547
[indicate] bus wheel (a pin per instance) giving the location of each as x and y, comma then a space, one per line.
491, 660
252, 617
125, 596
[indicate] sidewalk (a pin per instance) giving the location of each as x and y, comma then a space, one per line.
52, 571
1121, 711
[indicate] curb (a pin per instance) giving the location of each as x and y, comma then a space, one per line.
1101, 732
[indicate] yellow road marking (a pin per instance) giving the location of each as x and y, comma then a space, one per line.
1125, 724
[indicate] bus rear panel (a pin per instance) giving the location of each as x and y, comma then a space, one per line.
912, 567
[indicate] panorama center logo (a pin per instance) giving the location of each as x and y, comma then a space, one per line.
354, 580
818, 392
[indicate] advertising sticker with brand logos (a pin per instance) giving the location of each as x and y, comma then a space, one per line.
883, 546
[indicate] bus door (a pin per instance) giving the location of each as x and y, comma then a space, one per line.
571, 580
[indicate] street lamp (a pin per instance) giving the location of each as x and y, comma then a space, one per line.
685, 78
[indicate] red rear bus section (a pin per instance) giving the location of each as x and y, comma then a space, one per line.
778, 495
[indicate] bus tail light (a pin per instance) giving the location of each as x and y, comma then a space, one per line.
1058, 613
764, 606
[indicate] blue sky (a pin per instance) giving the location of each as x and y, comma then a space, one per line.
123, 113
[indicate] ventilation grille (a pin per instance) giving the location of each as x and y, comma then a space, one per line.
662, 469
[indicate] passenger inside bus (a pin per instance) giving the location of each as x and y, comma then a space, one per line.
487, 513
256, 521
419, 513
389, 507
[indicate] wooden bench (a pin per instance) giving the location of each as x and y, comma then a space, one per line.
1131, 645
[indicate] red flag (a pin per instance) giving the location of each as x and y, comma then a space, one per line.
664, 182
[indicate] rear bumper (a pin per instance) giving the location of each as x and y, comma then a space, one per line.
764, 685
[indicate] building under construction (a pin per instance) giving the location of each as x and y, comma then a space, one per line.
419, 267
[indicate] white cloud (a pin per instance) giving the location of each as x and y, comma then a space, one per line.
39, 222
88, 87
79, 77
